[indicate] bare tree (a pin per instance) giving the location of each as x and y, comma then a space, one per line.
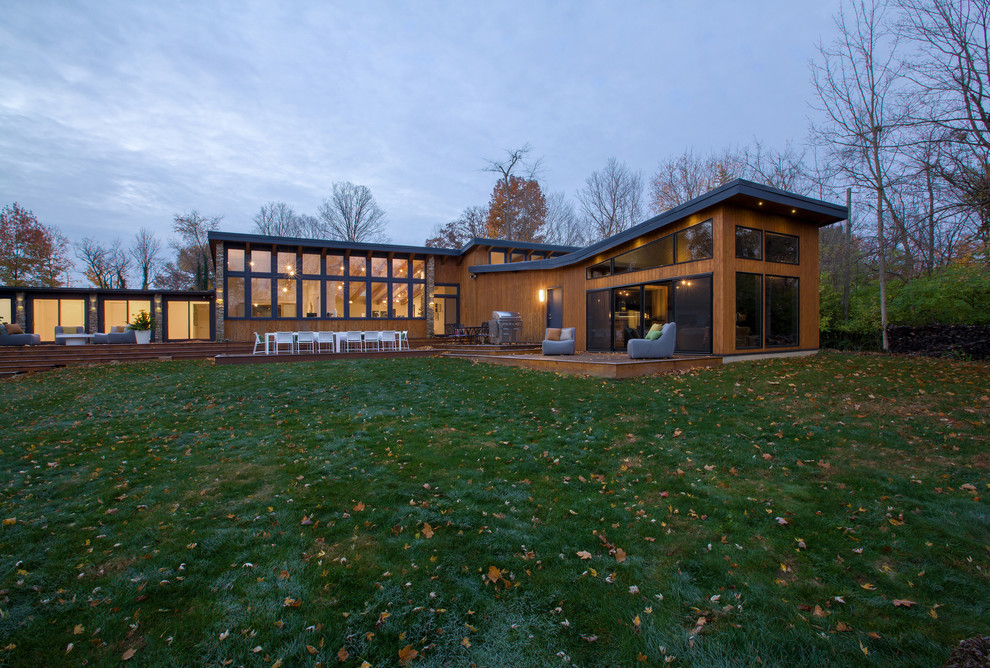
687, 176
351, 214
611, 199
104, 266
857, 83
145, 251
783, 170
458, 232
563, 226
512, 171
277, 219
953, 77
193, 257
309, 226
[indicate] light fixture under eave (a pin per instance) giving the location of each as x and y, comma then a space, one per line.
793, 210
542, 295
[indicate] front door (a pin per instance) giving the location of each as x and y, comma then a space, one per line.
555, 307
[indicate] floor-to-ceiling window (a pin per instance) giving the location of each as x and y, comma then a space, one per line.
119, 312
627, 310
781, 306
616, 315
749, 310
599, 320
48, 313
187, 320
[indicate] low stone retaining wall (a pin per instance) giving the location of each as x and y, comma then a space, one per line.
964, 341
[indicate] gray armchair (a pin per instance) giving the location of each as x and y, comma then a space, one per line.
565, 346
658, 349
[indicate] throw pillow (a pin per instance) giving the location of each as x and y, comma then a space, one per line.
553, 334
653, 335
567, 333
656, 327
3, 328
14, 328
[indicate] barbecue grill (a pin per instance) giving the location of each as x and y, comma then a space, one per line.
505, 327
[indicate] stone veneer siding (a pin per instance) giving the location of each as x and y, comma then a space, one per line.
159, 315
93, 314
20, 316
219, 304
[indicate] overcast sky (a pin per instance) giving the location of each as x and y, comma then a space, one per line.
119, 115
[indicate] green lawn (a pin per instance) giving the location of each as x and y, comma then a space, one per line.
823, 511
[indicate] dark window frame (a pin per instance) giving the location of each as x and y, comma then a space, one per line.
767, 312
759, 246
797, 247
674, 245
759, 316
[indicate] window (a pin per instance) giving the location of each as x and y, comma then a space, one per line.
518, 256
599, 320
357, 300
599, 270
186, 320
379, 267
6, 310
261, 297
693, 314
287, 263
235, 297
536, 256
749, 310
48, 313
311, 299
496, 257
335, 299
400, 268
782, 304
358, 266
400, 300
287, 297
235, 259
418, 290
120, 312
419, 270
379, 299
782, 248
311, 264
749, 243
654, 254
335, 265
261, 261
695, 242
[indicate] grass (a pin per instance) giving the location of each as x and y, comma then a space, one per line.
826, 511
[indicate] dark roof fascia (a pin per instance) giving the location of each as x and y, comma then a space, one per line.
105, 291
739, 189
238, 237
508, 244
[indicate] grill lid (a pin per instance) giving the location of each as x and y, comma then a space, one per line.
499, 315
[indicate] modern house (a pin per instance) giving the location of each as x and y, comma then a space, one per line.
736, 269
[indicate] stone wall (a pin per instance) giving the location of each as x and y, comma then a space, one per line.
966, 341
220, 306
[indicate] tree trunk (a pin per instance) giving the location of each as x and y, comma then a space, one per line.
883, 270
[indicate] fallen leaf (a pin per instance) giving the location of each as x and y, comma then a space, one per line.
903, 603
620, 555
359, 506
584, 554
407, 654
311, 649
427, 530
77, 629
128, 654
342, 655
819, 612
868, 587
494, 574
306, 520
225, 635
465, 641
842, 627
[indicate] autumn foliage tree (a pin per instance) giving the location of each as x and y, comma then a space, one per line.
517, 210
31, 254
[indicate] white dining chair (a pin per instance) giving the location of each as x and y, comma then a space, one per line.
286, 339
324, 338
389, 339
353, 339
306, 339
404, 339
373, 339
259, 344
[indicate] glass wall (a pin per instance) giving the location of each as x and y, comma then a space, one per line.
119, 312
620, 314
782, 248
782, 303
187, 320
302, 284
749, 243
688, 245
47, 313
749, 310
6, 310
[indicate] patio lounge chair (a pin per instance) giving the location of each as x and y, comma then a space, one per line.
659, 348
559, 341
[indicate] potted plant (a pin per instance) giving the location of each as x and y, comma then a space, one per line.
142, 326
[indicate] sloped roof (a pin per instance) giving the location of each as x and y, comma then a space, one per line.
739, 191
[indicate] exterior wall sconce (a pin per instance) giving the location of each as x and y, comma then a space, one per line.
542, 295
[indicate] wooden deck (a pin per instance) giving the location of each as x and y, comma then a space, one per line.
601, 365
25, 359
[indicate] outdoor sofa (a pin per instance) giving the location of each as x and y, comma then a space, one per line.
559, 341
660, 347
116, 335
16, 337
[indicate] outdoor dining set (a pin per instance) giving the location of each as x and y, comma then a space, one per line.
330, 342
